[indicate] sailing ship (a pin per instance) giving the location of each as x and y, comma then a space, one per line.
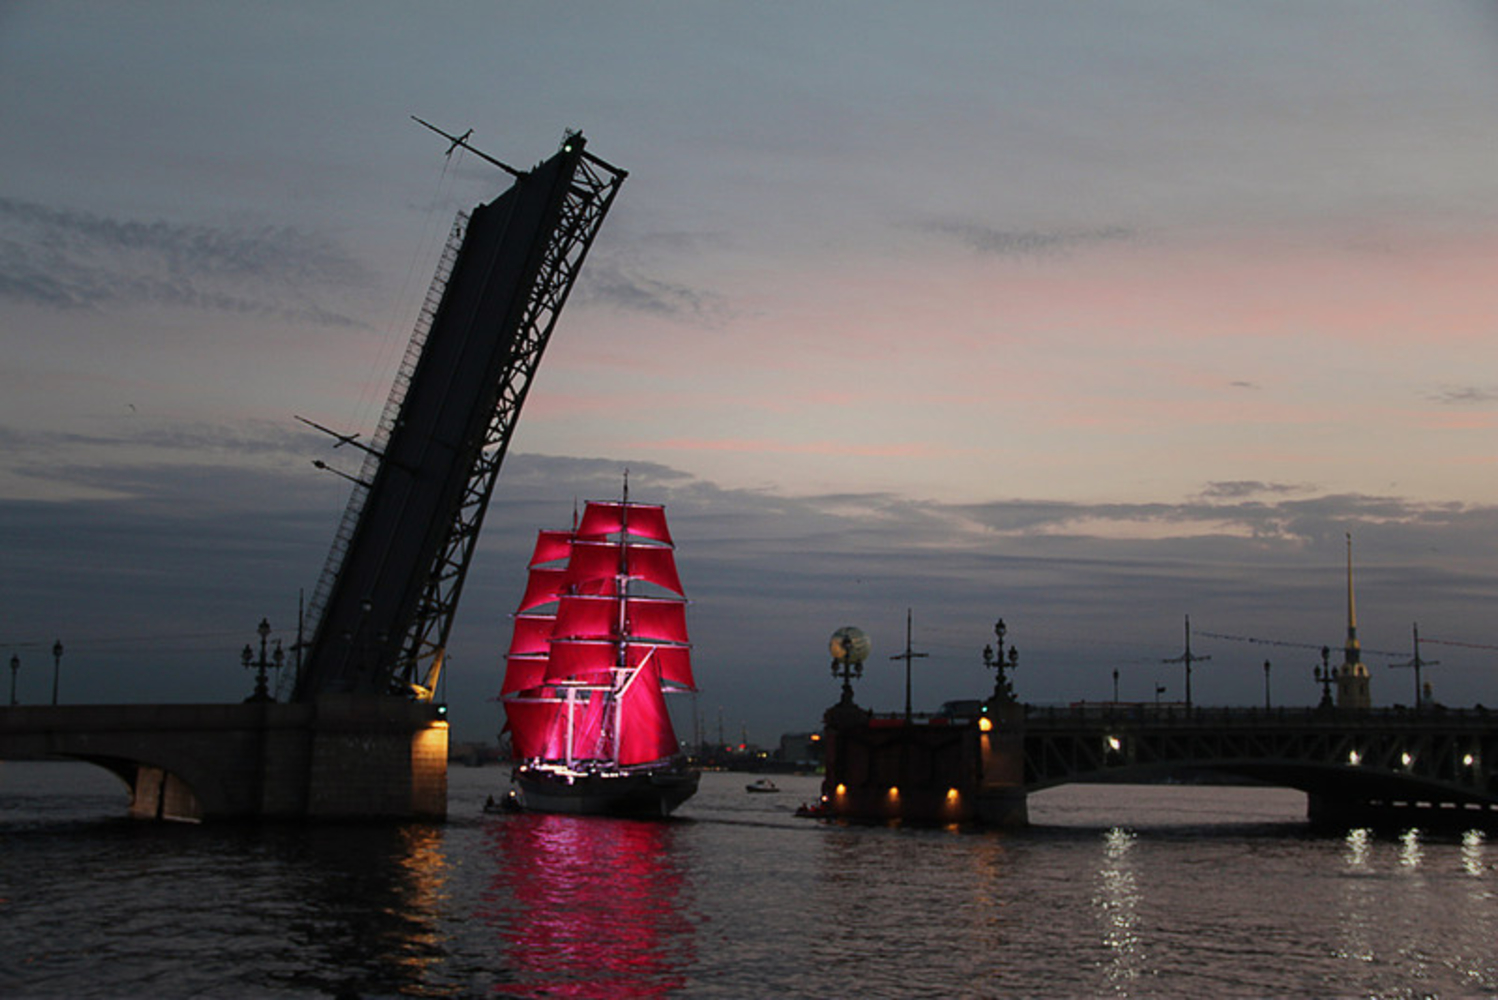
600, 639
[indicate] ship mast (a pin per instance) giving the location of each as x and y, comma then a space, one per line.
621, 654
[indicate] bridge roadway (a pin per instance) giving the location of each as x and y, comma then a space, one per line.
340, 757
1435, 767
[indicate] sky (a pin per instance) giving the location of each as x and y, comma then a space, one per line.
1089, 317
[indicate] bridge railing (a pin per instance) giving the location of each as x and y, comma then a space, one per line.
1103, 713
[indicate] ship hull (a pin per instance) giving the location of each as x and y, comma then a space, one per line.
650, 793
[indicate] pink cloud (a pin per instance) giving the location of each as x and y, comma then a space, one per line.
768, 446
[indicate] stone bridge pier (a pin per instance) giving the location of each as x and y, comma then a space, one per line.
340, 757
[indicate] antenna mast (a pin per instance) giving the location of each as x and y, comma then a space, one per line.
1188, 658
907, 656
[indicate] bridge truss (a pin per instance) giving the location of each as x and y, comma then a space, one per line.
1432, 765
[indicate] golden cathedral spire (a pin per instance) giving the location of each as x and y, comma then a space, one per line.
1352, 676
1352, 610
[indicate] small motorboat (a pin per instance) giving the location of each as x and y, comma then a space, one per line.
762, 785
508, 804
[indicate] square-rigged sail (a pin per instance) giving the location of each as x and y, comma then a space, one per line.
594, 651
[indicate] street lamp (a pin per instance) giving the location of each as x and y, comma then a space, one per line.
995, 661
15, 668
56, 667
247, 657
1266, 685
1324, 677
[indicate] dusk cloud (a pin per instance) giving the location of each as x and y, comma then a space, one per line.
1462, 395
1238, 489
68, 259
1027, 242
207, 550
617, 285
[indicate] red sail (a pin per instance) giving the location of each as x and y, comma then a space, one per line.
646, 734
543, 587
582, 616
673, 662
531, 634
551, 545
602, 518
533, 729
523, 673
590, 662
598, 628
657, 618
594, 561
588, 739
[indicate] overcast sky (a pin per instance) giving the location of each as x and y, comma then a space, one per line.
1089, 316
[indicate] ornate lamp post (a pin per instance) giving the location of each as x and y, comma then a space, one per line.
15, 668
56, 667
849, 647
247, 657
1324, 677
996, 661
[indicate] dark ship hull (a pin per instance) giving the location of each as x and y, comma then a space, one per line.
646, 792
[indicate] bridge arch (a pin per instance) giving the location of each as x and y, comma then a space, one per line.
340, 757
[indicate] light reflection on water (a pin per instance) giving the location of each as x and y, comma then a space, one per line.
1117, 903
1129, 891
589, 907
1472, 853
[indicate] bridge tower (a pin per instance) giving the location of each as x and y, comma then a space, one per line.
1352, 676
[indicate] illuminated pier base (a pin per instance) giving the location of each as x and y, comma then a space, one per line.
339, 758
929, 770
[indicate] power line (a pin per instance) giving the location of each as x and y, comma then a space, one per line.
124, 640
1453, 642
1292, 645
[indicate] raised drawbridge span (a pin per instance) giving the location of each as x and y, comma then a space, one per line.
384, 607
361, 736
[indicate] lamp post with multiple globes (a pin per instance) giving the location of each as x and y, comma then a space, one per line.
997, 662
247, 657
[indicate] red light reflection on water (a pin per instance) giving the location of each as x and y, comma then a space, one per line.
588, 907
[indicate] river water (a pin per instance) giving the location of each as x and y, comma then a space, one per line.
1136, 891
